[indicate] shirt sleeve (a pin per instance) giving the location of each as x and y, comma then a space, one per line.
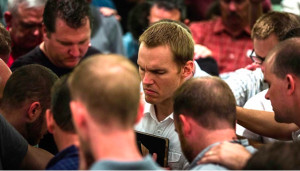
13, 147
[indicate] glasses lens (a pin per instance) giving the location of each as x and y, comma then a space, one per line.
255, 58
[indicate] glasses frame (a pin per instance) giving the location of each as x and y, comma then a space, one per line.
257, 59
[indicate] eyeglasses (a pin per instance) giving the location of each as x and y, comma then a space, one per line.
255, 58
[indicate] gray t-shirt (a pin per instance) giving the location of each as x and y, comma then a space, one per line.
146, 164
213, 166
13, 146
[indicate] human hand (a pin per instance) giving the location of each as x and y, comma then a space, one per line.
230, 155
201, 51
252, 66
109, 12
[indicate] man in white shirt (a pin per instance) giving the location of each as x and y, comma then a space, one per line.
165, 61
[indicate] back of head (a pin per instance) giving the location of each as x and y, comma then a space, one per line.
12, 5
30, 82
171, 5
74, 12
292, 33
279, 23
285, 58
138, 19
172, 34
60, 99
208, 100
5, 42
276, 156
108, 86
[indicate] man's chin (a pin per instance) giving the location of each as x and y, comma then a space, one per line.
281, 120
150, 100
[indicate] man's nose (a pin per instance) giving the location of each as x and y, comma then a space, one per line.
147, 78
74, 51
232, 6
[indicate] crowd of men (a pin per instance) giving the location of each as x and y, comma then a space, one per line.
69, 100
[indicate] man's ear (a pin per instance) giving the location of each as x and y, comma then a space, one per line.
50, 121
79, 113
8, 18
290, 84
188, 70
46, 34
34, 111
185, 125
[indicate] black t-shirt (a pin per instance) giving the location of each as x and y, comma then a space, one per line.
37, 56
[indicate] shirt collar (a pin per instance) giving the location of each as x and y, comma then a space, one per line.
149, 110
220, 27
198, 71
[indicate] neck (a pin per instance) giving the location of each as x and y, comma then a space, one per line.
163, 110
65, 139
16, 119
106, 145
210, 137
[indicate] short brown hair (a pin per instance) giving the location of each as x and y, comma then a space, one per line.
5, 41
207, 100
279, 23
172, 34
109, 87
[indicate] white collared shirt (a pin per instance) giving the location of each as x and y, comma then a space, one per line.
165, 128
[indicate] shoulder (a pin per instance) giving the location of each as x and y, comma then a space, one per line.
203, 24
209, 166
35, 56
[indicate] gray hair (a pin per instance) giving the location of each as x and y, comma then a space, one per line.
12, 5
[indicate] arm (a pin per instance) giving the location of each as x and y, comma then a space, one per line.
263, 123
231, 155
36, 159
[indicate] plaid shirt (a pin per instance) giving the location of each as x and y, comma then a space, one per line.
230, 52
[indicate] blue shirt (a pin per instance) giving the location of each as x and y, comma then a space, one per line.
67, 159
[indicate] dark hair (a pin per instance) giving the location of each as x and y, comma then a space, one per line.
60, 99
292, 33
29, 82
207, 100
276, 156
286, 58
73, 12
171, 5
138, 19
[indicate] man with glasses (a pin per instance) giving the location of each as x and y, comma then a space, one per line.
24, 22
268, 30
227, 37
280, 26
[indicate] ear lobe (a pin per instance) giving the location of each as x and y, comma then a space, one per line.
34, 111
185, 125
50, 120
290, 84
188, 70
8, 19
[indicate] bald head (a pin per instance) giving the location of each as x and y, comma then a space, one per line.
108, 86
285, 58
